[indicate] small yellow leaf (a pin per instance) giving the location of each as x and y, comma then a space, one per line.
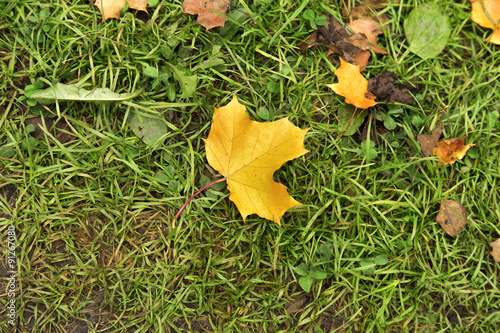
486, 13
247, 153
353, 86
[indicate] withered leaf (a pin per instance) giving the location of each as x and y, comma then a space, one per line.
334, 35
495, 249
371, 31
58, 128
450, 150
429, 141
452, 217
368, 10
205, 10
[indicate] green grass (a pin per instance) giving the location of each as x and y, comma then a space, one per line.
97, 249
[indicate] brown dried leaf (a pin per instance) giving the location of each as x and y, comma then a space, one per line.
452, 217
495, 252
57, 128
429, 141
334, 35
362, 58
368, 10
370, 30
203, 8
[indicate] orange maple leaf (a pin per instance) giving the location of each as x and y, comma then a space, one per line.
206, 17
111, 8
486, 13
247, 153
353, 86
449, 150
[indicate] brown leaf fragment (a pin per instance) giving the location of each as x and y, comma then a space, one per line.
370, 30
452, 217
450, 150
429, 141
368, 10
383, 87
362, 59
204, 10
58, 128
495, 252
297, 304
334, 35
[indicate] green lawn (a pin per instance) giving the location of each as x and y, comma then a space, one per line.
97, 249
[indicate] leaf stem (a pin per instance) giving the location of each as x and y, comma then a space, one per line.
350, 121
204, 187
441, 118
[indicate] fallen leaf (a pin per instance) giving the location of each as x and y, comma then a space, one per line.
345, 115
353, 86
452, 217
111, 8
429, 141
58, 128
427, 30
489, 19
247, 153
449, 150
150, 128
368, 10
383, 87
204, 8
334, 35
296, 304
361, 59
67, 92
495, 249
370, 30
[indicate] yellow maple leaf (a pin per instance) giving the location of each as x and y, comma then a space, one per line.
111, 8
486, 13
449, 150
247, 153
353, 86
